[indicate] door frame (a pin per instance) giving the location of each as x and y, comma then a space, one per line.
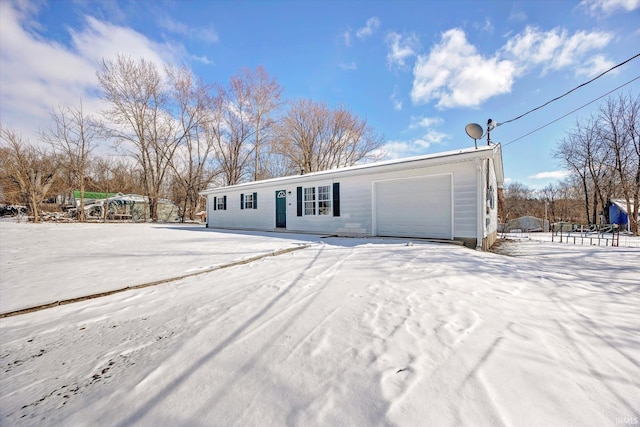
281, 195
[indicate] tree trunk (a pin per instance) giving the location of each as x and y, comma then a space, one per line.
586, 196
33, 204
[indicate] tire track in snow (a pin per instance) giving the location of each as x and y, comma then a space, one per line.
148, 284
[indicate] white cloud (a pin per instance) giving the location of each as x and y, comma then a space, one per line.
401, 48
595, 65
608, 7
397, 103
202, 59
534, 46
517, 14
346, 36
430, 138
487, 26
37, 74
101, 39
554, 49
370, 27
351, 66
205, 34
424, 122
551, 175
395, 150
413, 147
456, 75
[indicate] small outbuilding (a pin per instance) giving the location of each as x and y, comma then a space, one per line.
618, 213
445, 196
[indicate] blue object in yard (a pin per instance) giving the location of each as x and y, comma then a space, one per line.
616, 215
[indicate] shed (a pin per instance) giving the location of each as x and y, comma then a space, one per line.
448, 196
618, 213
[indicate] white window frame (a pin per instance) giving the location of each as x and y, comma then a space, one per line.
309, 201
220, 203
317, 200
324, 200
248, 201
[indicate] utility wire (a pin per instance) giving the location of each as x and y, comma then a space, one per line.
575, 88
571, 112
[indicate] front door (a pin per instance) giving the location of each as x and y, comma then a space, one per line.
281, 208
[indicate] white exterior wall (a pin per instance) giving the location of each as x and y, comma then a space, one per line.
492, 226
356, 201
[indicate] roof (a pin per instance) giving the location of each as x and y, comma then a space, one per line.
622, 205
92, 194
482, 152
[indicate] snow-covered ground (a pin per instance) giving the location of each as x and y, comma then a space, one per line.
64, 261
578, 238
356, 332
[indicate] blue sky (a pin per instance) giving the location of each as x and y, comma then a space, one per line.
417, 71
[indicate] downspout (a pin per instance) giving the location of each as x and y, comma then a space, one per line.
479, 207
208, 213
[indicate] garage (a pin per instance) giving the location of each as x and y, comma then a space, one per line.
448, 196
414, 207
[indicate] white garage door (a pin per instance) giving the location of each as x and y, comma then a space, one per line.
416, 207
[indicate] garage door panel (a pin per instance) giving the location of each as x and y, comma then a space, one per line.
419, 207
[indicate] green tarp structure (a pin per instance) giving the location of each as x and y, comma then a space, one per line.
93, 195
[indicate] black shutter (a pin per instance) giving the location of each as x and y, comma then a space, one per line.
224, 203
299, 201
215, 203
241, 201
255, 200
336, 199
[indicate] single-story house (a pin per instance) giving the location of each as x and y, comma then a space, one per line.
447, 196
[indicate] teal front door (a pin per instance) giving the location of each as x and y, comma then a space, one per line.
281, 208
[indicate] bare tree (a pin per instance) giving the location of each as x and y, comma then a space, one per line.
231, 131
264, 96
518, 200
32, 171
316, 138
620, 131
73, 136
115, 174
604, 152
192, 162
141, 111
583, 152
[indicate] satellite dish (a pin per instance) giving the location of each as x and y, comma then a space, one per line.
474, 130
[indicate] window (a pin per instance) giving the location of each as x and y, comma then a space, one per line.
220, 203
320, 200
310, 201
324, 200
249, 201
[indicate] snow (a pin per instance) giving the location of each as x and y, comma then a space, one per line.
356, 332
63, 261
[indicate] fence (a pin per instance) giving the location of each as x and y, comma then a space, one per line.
609, 234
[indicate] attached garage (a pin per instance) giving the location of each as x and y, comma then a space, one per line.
444, 196
414, 207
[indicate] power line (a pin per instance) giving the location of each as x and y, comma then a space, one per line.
567, 93
571, 112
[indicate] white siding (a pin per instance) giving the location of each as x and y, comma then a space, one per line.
234, 217
357, 204
493, 211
